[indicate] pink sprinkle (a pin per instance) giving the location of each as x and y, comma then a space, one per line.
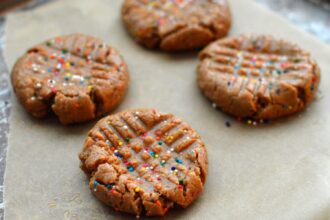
285, 65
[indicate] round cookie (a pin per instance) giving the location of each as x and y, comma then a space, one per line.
144, 162
77, 77
176, 25
258, 77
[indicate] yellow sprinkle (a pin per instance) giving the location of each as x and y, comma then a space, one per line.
67, 64
90, 88
170, 137
249, 122
156, 156
137, 189
120, 143
68, 74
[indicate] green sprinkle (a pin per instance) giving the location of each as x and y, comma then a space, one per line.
178, 160
270, 86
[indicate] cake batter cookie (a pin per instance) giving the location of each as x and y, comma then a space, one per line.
176, 25
258, 77
77, 77
144, 162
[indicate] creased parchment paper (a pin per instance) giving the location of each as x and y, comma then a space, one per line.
280, 171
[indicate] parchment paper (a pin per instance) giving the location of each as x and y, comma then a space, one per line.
280, 171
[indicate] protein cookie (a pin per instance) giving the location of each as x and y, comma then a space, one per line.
258, 77
176, 25
144, 162
78, 77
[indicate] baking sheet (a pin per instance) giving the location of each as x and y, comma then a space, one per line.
280, 171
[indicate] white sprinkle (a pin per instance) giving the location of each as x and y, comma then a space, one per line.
77, 77
214, 105
38, 85
59, 66
33, 98
35, 68
125, 126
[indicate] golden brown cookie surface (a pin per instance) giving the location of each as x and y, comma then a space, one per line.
258, 77
78, 77
144, 162
176, 25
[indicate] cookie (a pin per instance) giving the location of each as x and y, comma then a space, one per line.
176, 25
77, 77
258, 77
144, 162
